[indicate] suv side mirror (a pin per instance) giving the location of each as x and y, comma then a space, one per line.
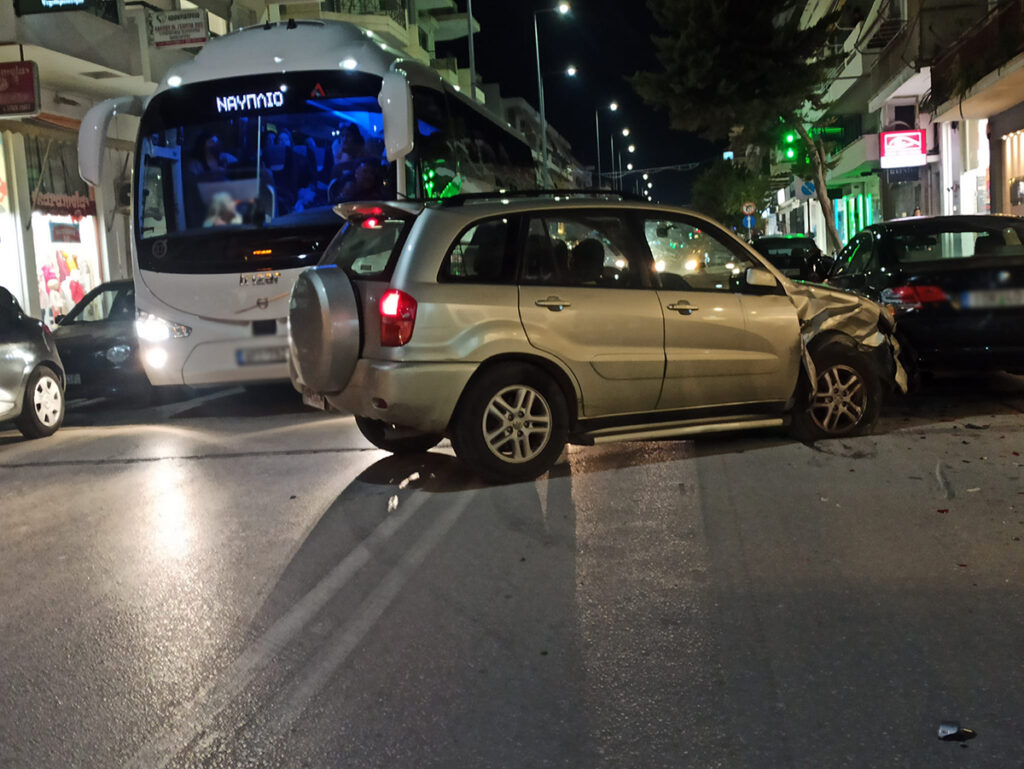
760, 278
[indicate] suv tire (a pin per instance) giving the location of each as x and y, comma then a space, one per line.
42, 411
848, 399
400, 441
511, 424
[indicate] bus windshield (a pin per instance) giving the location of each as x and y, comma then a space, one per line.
253, 162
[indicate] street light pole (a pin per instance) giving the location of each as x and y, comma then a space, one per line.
545, 175
597, 131
611, 143
472, 54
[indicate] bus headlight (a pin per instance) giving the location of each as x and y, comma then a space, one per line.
156, 357
151, 328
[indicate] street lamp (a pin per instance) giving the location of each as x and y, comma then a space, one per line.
571, 71
625, 132
632, 148
597, 131
562, 9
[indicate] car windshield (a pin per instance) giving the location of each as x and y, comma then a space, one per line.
956, 242
105, 303
316, 140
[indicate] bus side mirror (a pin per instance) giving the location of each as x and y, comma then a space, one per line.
92, 135
395, 101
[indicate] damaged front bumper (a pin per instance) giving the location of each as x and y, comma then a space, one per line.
823, 311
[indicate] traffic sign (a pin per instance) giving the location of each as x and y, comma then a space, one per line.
749, 208
806, 190
749, 222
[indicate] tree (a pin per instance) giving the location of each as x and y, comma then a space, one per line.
743, 65
721, 191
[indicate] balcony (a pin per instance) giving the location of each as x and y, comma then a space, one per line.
994, 41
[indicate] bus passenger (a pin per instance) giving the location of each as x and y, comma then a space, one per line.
222, 211
365, 184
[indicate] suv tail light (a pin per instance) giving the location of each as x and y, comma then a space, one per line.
913, 297
397, 318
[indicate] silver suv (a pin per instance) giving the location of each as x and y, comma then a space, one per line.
514, 325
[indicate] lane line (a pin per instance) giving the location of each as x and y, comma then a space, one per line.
202, 709
336, 650
189, 457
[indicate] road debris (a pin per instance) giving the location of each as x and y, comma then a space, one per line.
951, 731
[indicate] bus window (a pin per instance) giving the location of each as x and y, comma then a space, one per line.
438, 167
260, 152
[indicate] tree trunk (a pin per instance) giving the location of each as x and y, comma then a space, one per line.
818, 162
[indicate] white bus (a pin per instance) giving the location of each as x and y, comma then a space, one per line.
242, 154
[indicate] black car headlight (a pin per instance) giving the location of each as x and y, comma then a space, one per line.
118, 354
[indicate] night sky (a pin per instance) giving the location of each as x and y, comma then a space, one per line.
608, 40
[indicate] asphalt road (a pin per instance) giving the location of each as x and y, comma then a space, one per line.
231, 580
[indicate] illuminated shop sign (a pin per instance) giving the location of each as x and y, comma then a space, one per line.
250, 101
900, 149
19, 88
109, 10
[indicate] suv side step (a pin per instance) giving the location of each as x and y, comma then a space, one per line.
672, 430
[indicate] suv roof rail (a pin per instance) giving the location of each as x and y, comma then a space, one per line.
468, 197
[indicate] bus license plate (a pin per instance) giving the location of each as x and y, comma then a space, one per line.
255, 356
312, 399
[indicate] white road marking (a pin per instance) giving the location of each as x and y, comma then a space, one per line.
344, 641
201, 710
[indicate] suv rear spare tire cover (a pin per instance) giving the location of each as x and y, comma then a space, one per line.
323, 329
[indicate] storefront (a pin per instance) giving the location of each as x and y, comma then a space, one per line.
11, 263
1006, 156
50, 246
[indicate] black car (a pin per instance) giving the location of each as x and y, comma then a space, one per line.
797, 256
31, 374
98, 345
954, 283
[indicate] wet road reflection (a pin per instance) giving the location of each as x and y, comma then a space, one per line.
216, 586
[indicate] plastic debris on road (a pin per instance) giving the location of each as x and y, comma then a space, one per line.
951, 731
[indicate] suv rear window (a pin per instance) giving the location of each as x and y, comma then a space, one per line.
367, 247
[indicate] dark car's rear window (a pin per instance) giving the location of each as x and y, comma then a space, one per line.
367, 247
786, 247
958, 242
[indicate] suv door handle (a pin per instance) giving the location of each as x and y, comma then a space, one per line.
683, 308
553, 303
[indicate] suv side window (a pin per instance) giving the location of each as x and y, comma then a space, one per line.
857, 258
691, 257
480, 255
581, 249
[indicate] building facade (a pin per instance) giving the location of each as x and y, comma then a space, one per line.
58, 237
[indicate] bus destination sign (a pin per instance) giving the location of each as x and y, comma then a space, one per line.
250, 101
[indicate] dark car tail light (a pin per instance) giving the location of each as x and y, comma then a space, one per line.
913, 297
397, 318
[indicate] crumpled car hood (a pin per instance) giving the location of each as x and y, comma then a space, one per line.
820, 309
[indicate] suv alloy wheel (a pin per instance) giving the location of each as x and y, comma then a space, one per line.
512, 423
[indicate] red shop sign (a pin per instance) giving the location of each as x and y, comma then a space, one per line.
900, 149
19, 88
76, 205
